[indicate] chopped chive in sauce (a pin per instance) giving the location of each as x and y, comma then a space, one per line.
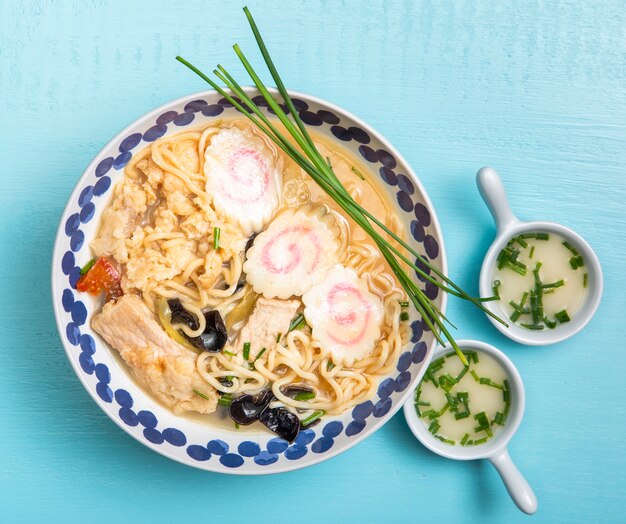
585, 279
229, 353
305, 395
404, 303
542, 236
357, 172
312, 418
571, 248
297, 322
465, 439
225, 400
475, 375
556, 284
489, 382
498, 418
533, 327
532, 252
200, 394
521, 241
258, 356
496, 286
85, 269
562, 316
551, 324
246, 350
216, 238
576, 262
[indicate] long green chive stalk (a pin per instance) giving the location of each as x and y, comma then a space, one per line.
311, 161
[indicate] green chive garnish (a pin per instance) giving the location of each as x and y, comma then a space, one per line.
226, 352
551, 324
224, 401
476, 377
562, 316
305, 395
495, 287
488, 382
464, 439
200, 394
404, 316
533, 327
294, 139
246, 350
330, 365
576, 262
357, 172
445, 440
297, 322
216, 238
434, 426
481, 440
499, 419
520, 240
542, 236
585, 278
571, 248
258, 356
532, 252
558, 283
312, 418
404, 303
87, 266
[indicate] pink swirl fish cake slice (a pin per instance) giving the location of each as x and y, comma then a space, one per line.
344, 316
244, 178
294, 253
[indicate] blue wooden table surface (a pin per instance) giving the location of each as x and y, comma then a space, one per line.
536, 89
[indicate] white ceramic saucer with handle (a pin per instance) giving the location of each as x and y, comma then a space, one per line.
508, 226
495, 449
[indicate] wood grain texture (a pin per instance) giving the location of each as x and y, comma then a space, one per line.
536, 89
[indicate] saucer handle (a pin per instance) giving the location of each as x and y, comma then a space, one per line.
492, 190
517, 486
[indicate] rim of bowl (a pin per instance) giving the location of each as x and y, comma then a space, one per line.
586, 311
498, 442
283, 468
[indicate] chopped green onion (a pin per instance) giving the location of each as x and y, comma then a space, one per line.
305, 395
562, 316
224, 401
571, 248
258, 356
246, 350
445, 440
496, 285
216, 238
488, 382
576, 262
532, 252
514, 316
278, 337
404, 316
499, 419
476, 377
87, 266
472, 356
551, 324
461, 374
434, 426
404, 303
312, 418
533, 327
422, 403
200, 394
446, 382
542, 236
558, 283
297, 322
464, 439
520, 240
237, 426
585, 278
225, 351
330, 365
481, 440
357, 172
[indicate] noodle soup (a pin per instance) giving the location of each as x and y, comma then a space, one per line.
235, 283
